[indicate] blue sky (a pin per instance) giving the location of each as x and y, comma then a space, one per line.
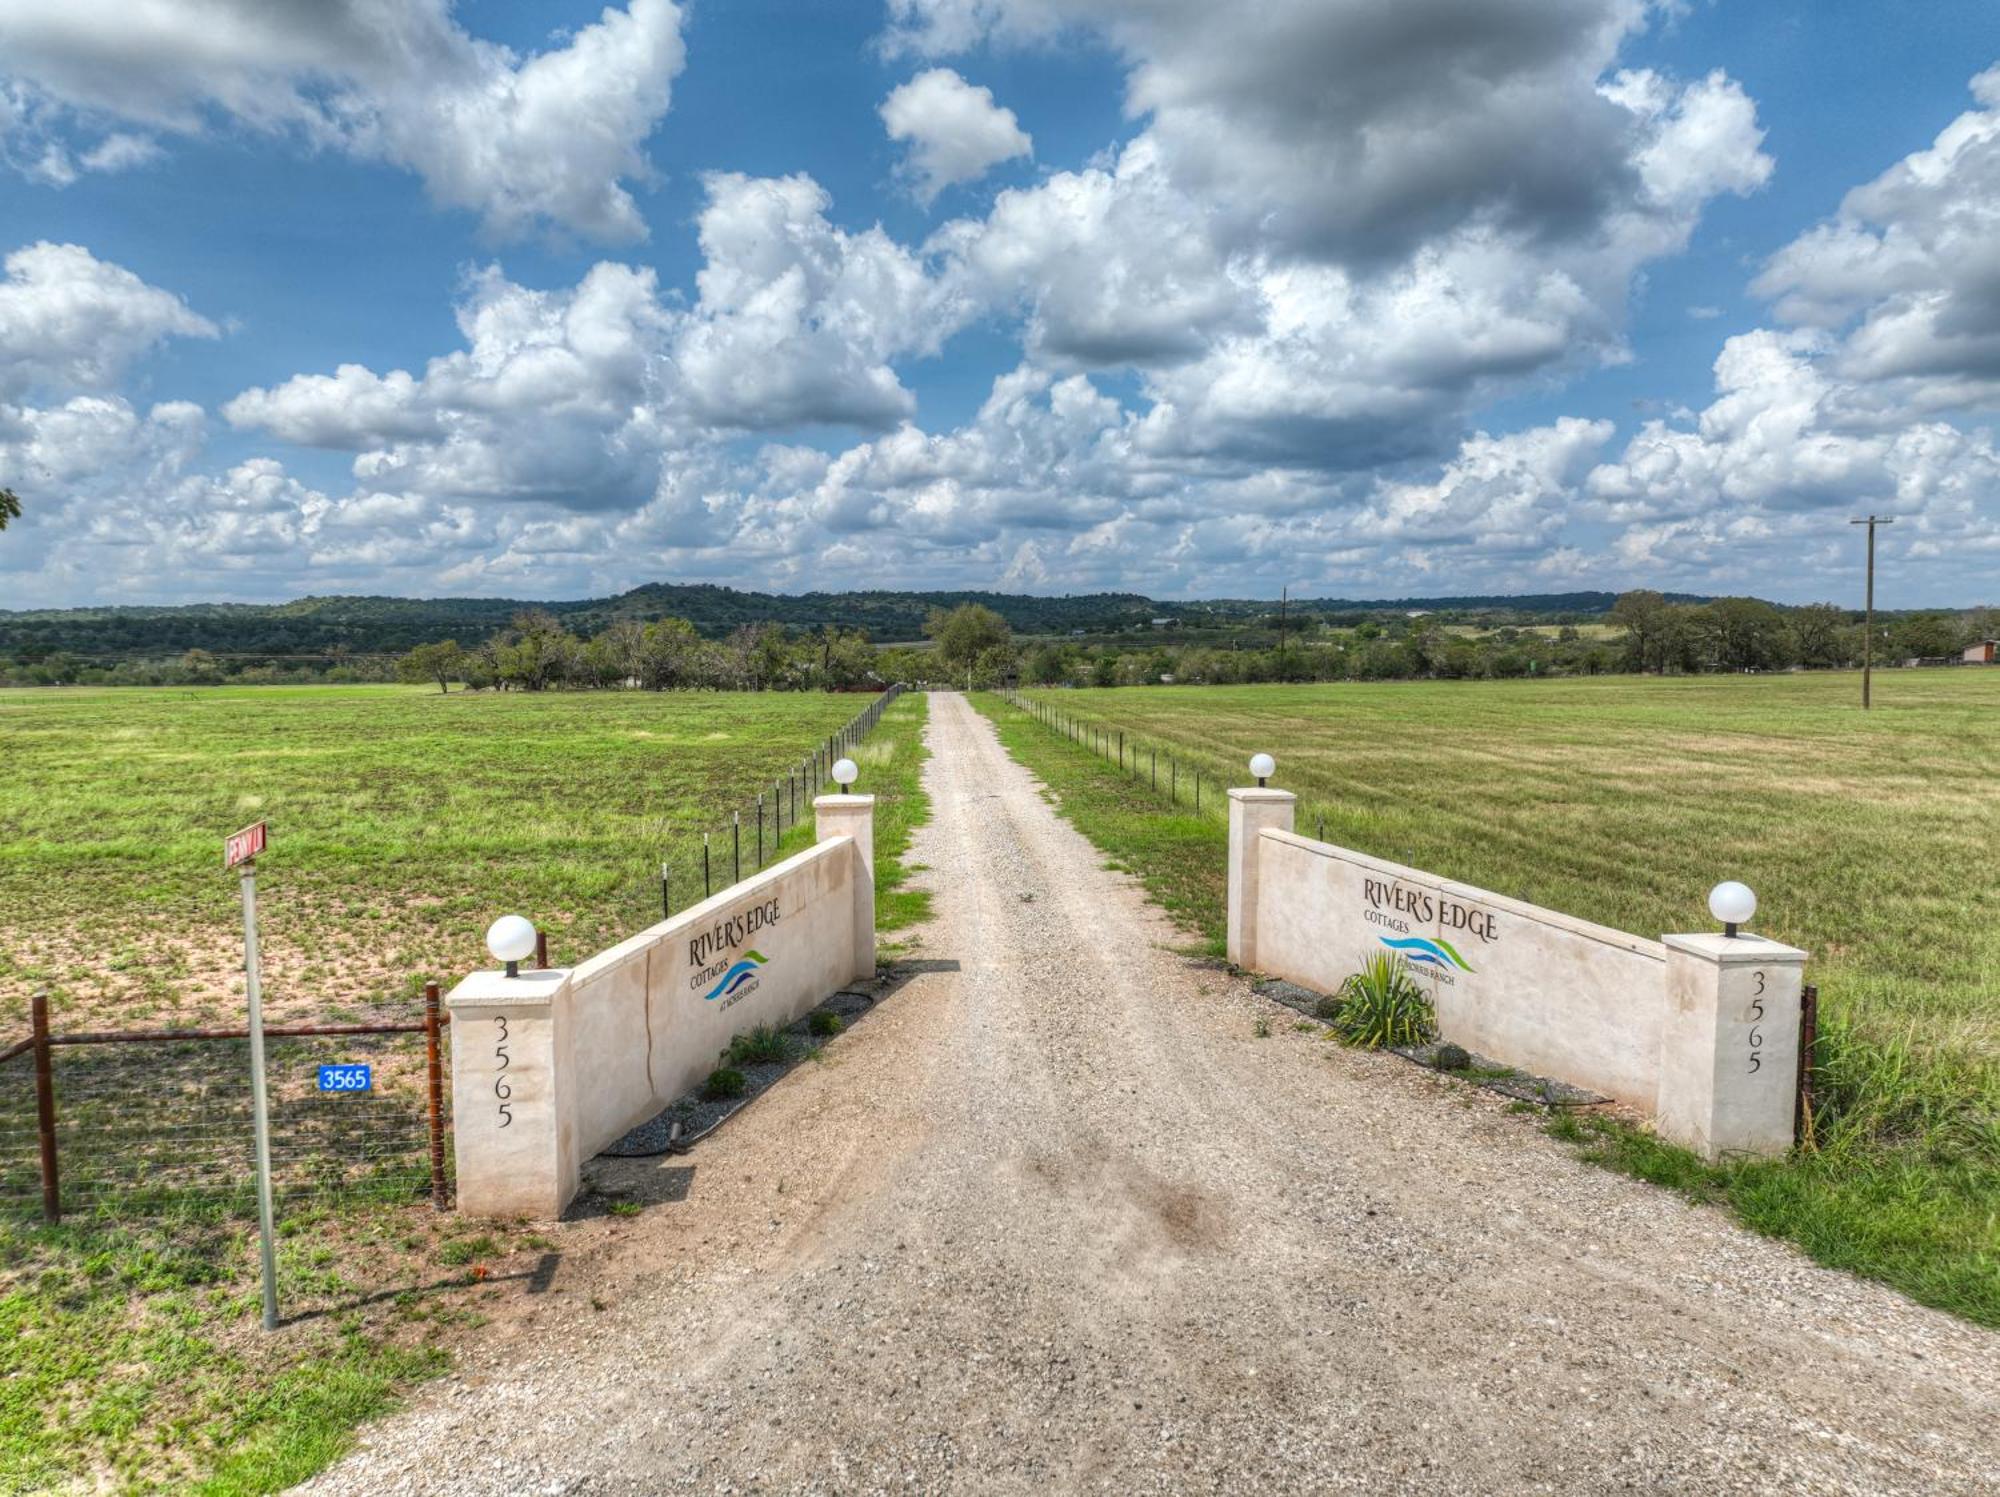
1360, 296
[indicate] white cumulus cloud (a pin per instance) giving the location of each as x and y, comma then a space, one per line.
546, 139
954, 130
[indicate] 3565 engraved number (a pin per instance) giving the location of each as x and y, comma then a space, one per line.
1756, 1019
500, 1087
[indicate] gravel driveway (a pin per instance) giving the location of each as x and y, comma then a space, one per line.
1054, 1217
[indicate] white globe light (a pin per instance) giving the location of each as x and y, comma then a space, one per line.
511, 938
845, 772
1732, 903
1263, 766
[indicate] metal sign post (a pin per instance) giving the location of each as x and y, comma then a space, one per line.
241, 850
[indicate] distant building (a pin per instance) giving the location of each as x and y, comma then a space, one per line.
1163, 623
1982, 653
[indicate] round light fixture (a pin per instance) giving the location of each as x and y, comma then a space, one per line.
845, 772
1263, 766
511, 939
1733, 904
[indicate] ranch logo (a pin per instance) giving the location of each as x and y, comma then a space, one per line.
712, 953
742, 972
1438, 953
1392, 907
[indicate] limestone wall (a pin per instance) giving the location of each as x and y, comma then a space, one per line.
549, 1067
1534, 988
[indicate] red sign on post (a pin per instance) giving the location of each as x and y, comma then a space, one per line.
242, 847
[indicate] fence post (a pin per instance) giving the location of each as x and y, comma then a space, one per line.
706, 888
1802, 1112
760, 831
666, 895
542, 950
45, 1108
736, 847
435, 1065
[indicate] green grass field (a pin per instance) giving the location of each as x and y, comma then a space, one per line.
402, 822
1873, 841
130, 1357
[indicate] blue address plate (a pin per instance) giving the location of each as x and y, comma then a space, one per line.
345, 1079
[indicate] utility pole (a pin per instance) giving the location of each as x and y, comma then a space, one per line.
1868, 629
1284, 606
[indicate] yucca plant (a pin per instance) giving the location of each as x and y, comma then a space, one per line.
1383, 1004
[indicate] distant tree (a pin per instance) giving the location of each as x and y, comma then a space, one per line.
1817, 631
10, 507
1645, 616
967, 635
440, 662
668, 654
199, 668
761, 656
845, 658
1048, 665
535, 652
1744, 634
1928, 636
621, 652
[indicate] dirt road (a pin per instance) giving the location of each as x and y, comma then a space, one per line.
1056, 1217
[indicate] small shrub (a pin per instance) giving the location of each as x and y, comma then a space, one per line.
825, 1024
1382, 1005
723, 1083
625, 1208
1450, 1057
762, 1046
1261, 1029
1327, 1010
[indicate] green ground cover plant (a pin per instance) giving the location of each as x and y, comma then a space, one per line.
1869, 837
130, 1354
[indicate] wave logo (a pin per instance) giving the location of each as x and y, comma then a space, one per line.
739, 973
1434, 953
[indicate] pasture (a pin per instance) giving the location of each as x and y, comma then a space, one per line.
402, 821
1870, 839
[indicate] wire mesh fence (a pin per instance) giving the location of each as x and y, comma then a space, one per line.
164, 1127
1185, 778
752, 835
161, 1124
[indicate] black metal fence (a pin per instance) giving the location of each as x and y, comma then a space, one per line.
752, 835
1187, 781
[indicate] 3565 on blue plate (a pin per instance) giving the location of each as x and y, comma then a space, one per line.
345, 1079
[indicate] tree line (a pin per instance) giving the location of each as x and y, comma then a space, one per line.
972, 644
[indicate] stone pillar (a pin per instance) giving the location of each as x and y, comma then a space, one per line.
1729, 1044
1250, 811
513, 1118
854, 816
